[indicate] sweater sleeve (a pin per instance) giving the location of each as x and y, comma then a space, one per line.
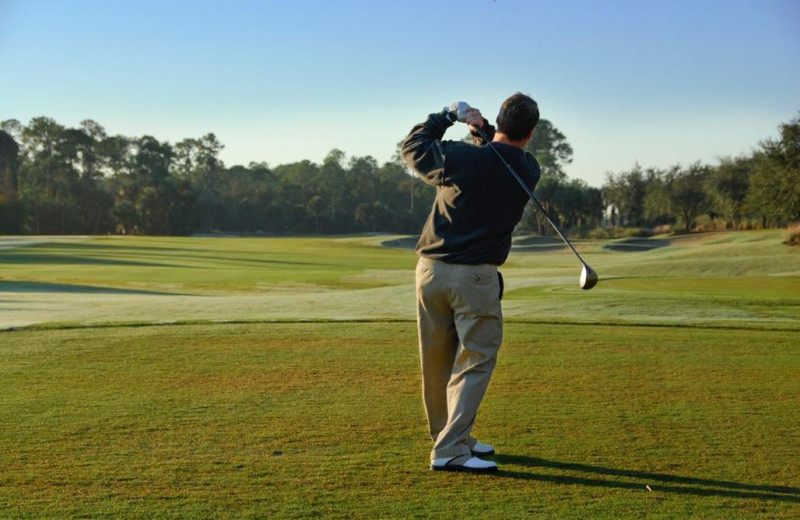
488, 129
423, 150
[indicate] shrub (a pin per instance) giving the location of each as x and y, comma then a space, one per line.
707, 223
794, 235
663, 229
637, 233
599, 234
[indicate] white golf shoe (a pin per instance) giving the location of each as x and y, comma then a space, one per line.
466, 463
482, 450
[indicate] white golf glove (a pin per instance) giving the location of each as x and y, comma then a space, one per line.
457, 111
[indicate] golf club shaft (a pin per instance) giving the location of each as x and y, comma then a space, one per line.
529, 192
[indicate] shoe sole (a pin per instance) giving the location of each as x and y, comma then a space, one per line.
464, 469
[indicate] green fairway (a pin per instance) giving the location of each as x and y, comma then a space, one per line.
148, 377
324, 420
745, 279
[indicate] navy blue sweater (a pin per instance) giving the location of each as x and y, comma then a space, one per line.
478, 202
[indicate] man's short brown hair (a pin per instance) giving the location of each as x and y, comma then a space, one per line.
518, 115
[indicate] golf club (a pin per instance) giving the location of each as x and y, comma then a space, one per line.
588, 275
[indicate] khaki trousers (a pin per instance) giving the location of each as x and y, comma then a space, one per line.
460, 325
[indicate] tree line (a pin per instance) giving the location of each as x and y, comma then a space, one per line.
60, 180
758, 190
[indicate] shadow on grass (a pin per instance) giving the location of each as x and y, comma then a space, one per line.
637, 244
537, 244
42, 287
537, 249
24, 257
658, 482
70, 253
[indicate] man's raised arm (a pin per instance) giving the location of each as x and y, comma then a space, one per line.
424, 150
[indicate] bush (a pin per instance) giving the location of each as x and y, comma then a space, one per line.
637, 233
599, 234
618, 232
794, 235
662, 229
708, 223
581, 231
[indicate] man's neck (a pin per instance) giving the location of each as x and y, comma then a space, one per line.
502, 138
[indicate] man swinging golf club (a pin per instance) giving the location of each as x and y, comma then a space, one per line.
466, 237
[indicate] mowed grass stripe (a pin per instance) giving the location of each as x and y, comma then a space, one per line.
307, 420
742, 279
200, 264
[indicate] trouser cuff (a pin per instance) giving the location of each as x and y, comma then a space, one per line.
452, 452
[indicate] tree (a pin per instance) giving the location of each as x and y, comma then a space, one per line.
316, 207
81, 147
582, 205
331, 177
727, 187
626, 191
551, 149
48, 177
686, 193
13, 128
553, 153
657, 204
774, 192
10, 214
362, 181
114, 154
371, 213
149, 187
197, 161
547, 193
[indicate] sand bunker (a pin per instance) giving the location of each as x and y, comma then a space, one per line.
401, 243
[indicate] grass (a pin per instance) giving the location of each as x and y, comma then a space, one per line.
324, 420
747, 278
125, 397
199, 265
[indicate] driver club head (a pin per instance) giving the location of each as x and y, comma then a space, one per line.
588, 278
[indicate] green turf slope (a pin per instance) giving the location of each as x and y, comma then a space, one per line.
733, 279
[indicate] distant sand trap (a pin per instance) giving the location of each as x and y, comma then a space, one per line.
401, 243
27, 241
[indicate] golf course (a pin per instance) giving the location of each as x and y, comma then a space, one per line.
253, 377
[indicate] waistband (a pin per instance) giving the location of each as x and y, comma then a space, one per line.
430, 262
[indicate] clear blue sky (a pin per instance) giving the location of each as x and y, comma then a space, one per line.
653, 81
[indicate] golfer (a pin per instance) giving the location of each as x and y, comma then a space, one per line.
466, 237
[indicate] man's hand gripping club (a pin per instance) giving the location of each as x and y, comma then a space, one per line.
463, 113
